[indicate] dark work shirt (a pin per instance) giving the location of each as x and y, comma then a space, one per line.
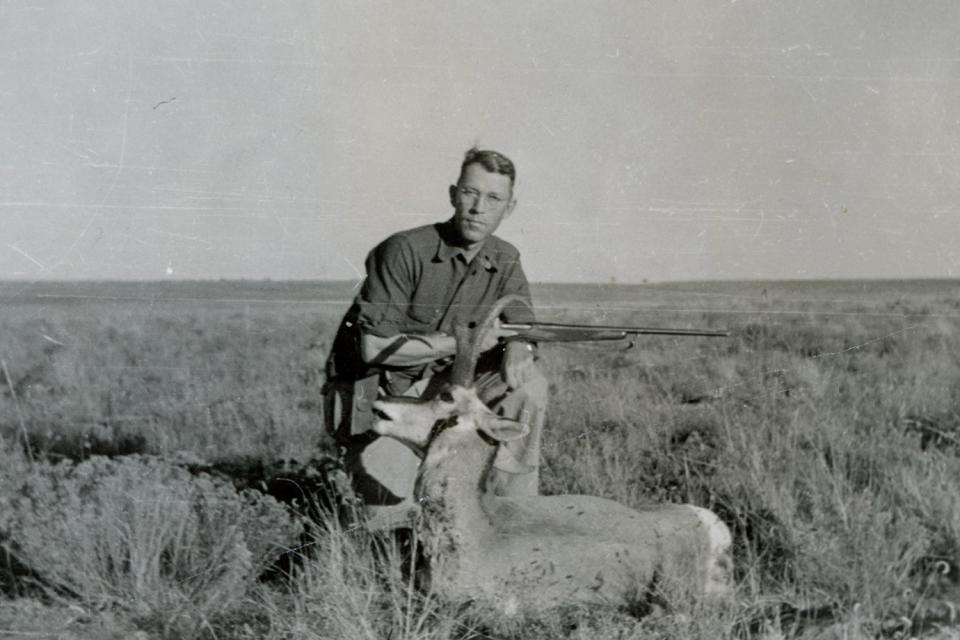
418, 281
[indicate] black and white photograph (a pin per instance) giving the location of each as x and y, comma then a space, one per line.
534, 320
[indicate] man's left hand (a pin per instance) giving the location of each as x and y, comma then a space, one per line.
518, 364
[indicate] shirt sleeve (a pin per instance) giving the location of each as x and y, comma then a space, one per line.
515, 283
388, 288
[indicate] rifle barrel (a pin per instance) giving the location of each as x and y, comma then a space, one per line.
586, 329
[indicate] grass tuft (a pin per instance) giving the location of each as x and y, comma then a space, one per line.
172, 550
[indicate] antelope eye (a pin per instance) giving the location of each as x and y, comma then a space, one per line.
446, 396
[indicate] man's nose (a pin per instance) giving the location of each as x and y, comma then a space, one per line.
479, 205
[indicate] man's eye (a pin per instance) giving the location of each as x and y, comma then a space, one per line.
470, 193
446, 396
494, 197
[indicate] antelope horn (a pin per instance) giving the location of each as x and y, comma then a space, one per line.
468, 342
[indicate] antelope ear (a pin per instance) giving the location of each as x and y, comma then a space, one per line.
503, 429
507, 462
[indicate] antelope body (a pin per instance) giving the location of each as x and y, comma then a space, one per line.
533, 553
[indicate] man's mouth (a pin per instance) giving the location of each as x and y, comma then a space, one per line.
381, 414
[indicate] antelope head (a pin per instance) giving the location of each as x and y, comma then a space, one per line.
417, 422
457, 410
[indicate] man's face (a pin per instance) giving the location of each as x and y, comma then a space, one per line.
481, 199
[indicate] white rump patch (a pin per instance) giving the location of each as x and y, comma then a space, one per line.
719, 565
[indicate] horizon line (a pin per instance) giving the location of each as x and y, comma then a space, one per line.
354, 281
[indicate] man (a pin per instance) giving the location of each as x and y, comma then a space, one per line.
397, 337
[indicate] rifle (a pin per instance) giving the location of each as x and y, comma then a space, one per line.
557, 332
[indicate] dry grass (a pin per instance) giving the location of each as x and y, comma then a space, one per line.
172, 550
826, 434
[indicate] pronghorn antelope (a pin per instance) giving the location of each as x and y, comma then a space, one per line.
521, 554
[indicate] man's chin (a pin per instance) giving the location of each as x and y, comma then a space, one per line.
472, 236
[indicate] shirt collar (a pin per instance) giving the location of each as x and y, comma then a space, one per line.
445, 250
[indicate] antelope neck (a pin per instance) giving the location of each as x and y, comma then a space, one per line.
450, 484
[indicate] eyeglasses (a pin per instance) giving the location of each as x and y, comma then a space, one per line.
466, 193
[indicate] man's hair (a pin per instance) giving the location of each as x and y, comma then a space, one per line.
492, 161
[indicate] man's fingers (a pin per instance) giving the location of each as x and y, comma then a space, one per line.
526, 369
517, 367
510, 376
518, 374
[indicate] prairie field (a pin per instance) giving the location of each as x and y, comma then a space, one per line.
825, 432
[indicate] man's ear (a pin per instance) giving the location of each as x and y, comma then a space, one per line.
503, 429
510, 207
453, 195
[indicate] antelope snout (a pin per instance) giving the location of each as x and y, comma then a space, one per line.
382, 412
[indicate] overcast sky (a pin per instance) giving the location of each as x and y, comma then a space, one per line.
654, 140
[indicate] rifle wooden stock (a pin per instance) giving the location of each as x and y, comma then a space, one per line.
557, 332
